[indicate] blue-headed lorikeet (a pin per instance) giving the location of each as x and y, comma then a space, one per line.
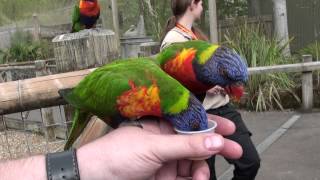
130, 89
85, 15
199, 66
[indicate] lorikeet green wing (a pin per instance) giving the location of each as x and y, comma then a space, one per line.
130, 89
76, 25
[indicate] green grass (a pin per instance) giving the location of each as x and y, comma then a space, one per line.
264, 91
23, 48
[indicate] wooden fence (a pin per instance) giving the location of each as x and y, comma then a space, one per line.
231, 25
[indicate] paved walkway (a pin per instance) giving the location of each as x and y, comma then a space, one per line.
289, 143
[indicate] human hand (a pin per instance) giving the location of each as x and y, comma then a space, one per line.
154, 152
217, 90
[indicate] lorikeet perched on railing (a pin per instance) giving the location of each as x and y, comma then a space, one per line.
199, 66
130, 89
85, 15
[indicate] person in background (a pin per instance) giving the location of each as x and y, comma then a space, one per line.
179, 28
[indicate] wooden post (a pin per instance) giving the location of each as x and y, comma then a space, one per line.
8, 76
95, 129
85, 49
281, 24
46, 113
115, 19
2, 124
307, 86
213, 21
36, 27
1, 79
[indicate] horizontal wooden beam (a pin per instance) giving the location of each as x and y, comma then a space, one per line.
42, 92
35, 93
286, 68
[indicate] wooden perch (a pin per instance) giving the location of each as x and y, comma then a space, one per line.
35, 93
42, 92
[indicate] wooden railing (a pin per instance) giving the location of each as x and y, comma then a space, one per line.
42, 92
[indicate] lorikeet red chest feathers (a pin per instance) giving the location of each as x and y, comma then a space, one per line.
140, 101
181, 68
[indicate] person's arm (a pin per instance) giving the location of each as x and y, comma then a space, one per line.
34, 168
30, 168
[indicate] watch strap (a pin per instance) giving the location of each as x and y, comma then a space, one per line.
62, 165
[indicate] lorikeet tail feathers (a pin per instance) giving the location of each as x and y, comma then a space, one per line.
79, 122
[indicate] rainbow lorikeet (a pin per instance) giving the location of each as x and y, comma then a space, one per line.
85, 15
200, 66
130, 89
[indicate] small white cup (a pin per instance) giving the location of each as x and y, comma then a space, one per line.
211, 128
212, 125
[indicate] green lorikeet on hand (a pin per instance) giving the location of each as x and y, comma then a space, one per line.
130, 89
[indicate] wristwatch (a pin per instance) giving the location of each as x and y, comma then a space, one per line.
62, 165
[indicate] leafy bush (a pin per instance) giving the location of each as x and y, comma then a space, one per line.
258, 50
23, 48
313, 49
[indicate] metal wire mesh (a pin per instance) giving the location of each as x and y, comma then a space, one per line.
33, 132
27, 133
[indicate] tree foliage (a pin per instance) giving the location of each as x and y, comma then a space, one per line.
15, 10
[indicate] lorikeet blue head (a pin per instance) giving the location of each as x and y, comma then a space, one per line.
224, 68
194, 118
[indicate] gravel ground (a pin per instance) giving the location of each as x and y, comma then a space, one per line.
18, 144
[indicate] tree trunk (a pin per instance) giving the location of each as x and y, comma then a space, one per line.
281, 24
115, 19
213, 21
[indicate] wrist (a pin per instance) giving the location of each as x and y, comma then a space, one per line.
91, 164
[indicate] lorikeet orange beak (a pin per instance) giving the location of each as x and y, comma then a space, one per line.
235, 91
